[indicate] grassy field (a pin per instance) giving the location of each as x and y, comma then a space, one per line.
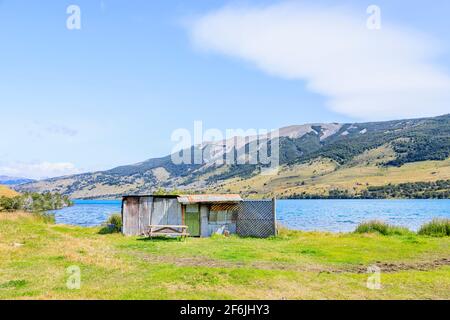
35, 256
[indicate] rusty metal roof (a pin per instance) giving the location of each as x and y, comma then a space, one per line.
209, 198
170, 196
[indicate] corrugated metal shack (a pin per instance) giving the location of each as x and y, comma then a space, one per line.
203, 214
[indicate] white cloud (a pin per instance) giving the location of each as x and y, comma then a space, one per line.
38, 170
40, 130
367, 74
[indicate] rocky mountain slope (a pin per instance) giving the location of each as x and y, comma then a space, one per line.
314, 159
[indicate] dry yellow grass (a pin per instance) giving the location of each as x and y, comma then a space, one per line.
321, 175
18, 215
7, 192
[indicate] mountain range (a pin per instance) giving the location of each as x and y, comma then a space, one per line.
10, 181
315, 160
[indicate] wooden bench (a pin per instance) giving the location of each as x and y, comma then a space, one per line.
167, 230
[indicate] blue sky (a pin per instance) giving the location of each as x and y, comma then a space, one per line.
113, 92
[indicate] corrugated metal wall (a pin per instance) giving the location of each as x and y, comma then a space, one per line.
256, 218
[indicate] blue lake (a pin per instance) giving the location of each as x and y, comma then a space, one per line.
88, 213
345, 215
308, 215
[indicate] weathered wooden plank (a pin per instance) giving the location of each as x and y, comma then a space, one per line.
183, 214
145, 204
204, 229
173, 212
167, 230
131, 216
159, 214
169, 233
167, 226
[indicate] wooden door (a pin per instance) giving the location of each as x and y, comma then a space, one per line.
192, 220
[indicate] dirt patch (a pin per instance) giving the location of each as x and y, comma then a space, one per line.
396, 267
189, 261
359, 269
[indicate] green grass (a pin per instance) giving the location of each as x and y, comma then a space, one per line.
382, 228
436, 228
295, 265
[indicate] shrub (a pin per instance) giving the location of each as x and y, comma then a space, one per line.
381, 227
45, 217
113, 224
436, 228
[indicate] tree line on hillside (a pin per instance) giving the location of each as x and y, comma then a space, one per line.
34, 202
416, 190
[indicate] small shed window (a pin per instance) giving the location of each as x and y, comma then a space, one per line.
221, 216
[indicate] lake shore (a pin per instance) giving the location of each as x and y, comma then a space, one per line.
294, 265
